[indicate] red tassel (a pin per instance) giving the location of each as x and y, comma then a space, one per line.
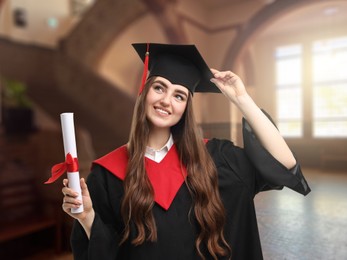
145, 70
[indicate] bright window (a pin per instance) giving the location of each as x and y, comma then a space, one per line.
329, 87
289, 90
326, 93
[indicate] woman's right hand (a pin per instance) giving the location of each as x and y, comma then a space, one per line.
86, 218
70, 201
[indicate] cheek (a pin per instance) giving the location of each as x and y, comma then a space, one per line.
181, 108
148, 98
152, 97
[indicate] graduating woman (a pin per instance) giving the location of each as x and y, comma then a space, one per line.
170, 194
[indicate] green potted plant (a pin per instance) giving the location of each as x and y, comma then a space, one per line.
17, 108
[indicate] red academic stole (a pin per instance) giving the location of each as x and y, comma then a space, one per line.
166, 176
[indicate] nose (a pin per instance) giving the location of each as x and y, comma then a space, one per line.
165, 101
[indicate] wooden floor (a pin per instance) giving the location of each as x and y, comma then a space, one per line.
294, 227
305, 228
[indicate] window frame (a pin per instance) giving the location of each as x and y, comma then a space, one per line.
307, 86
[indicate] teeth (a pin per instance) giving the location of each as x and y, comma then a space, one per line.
162, 111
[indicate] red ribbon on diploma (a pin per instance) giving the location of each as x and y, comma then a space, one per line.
70, 165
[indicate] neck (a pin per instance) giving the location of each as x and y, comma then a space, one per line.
158, 138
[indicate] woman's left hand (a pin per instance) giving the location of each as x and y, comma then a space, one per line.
229, 84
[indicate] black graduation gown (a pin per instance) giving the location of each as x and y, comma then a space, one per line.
242, 174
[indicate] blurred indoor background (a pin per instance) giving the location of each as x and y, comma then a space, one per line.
75, 56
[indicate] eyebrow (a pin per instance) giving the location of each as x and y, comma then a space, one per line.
165, 85
182, 93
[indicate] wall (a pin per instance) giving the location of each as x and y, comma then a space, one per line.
40, 23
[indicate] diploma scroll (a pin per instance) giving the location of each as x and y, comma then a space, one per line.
67, 124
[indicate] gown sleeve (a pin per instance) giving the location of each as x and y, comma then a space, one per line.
104, 238
271, 170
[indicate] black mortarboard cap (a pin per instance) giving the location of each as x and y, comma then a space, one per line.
180, 64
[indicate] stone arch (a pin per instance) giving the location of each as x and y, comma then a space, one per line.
254, 26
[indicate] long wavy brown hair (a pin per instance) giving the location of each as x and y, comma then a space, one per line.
201, 180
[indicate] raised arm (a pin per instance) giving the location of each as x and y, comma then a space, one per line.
233, 88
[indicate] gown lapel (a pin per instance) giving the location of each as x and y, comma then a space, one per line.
166, 176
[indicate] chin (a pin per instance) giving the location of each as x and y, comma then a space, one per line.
162, 125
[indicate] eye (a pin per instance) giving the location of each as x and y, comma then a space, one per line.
158, 88
180, 97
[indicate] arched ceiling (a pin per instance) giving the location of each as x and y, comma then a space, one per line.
209, 26
175, 17
222, 29
170, 16
285, 17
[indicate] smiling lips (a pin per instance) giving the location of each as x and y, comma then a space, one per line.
162, 111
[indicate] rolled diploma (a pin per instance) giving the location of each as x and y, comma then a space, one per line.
67, 125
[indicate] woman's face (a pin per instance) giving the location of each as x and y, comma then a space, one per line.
165, 103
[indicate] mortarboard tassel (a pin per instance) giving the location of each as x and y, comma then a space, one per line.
145, 70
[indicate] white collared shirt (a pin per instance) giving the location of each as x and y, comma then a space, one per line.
158, 155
